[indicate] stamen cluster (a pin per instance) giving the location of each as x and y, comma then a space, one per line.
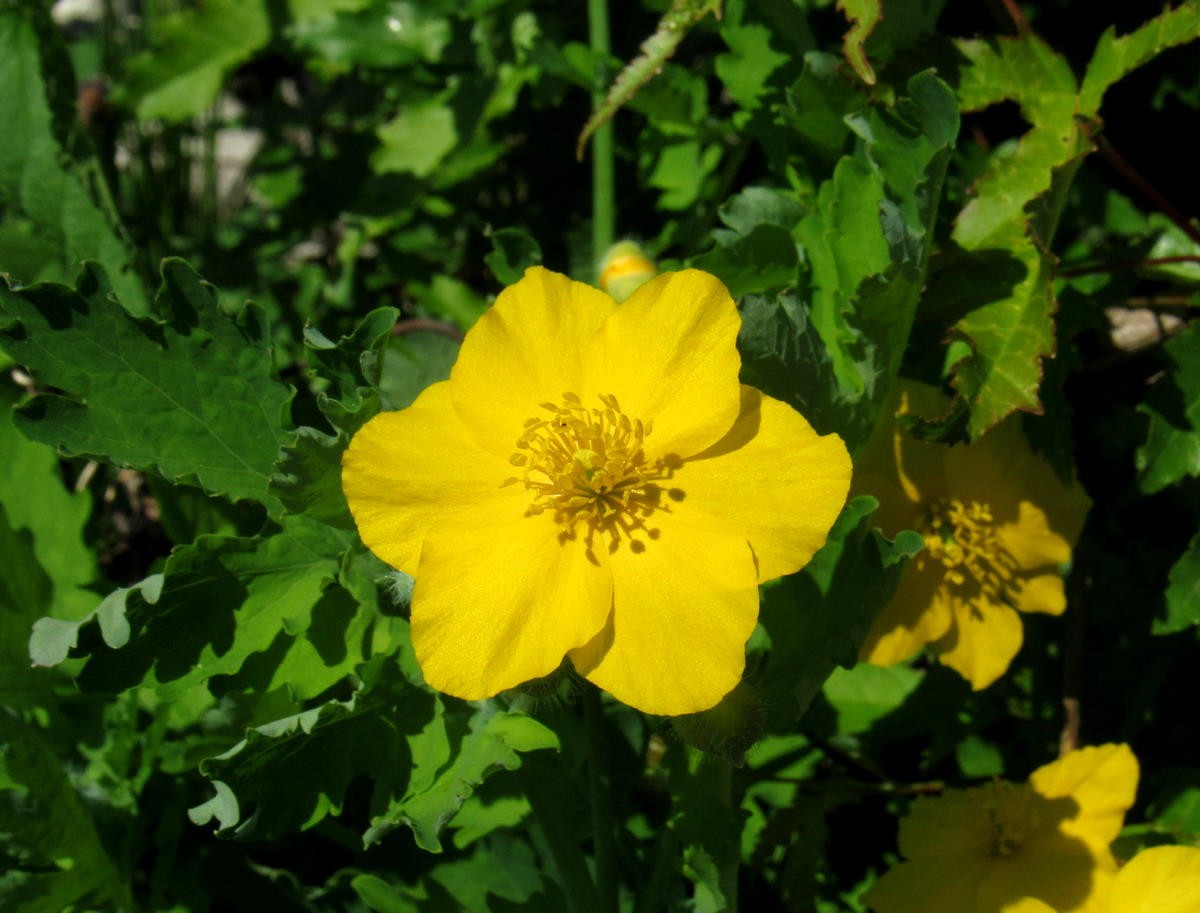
1006, 816
588, 465
964, 538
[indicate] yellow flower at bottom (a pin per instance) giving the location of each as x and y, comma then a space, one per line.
594, 482
1163, 879
987, 849
997, 522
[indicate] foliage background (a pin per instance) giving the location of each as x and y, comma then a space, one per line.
215, 651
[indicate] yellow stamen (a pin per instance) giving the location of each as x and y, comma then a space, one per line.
589, 467
1006, 816
965, 539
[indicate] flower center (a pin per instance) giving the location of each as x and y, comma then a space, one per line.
964, 538
588, 466
1006, 816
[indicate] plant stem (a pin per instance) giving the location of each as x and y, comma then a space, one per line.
1144, 263
538, 774
1152, 193
729, 869
603, 193
601, 794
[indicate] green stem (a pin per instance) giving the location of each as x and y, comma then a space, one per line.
729, 870
538, 773
604, 213
600, 788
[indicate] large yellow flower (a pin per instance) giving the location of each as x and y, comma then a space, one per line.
1163, 879
984, 850
997, 522
594, 482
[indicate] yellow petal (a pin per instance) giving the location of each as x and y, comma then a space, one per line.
500, 598
668, 354
1039, 593
406, 471
1164, 879
929, 886
775, 479
941, 827
1028, 905
526, 350
683, 608
1067, 879
1030, 539
1101, 781
919, 464
1039, 517
895, 467
985, 637
917, 614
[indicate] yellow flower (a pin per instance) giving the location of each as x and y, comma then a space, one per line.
1164, 879
986, 849
997, 522
594, 482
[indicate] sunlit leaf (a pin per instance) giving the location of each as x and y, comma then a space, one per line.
196, 48
194, 398
1114, 56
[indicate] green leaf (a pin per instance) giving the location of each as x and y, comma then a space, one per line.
870, 234
818, 619
1175, 808
513, 252
866, 693
783, 355
291, 773
1172, 448
391, 34
416, 140
863, 16
1115, 57
351, 367
53, 638
817, 105
259, 607
414, 361
707, 825
54, 857
490, 743
45, 169
653, 53
194, 398
1016, 208
309, 480
194, 49
1183, 592
745, 71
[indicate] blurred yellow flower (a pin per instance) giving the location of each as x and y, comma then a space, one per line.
988, 849
1163, 879
594, 482
997, 522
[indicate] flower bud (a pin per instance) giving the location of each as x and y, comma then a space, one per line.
624, 268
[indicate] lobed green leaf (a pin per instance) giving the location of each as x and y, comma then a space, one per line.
194, 398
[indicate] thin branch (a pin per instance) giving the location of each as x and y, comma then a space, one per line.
427, 325
1018, 17
1156, 197
1068, 739
1118, 265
